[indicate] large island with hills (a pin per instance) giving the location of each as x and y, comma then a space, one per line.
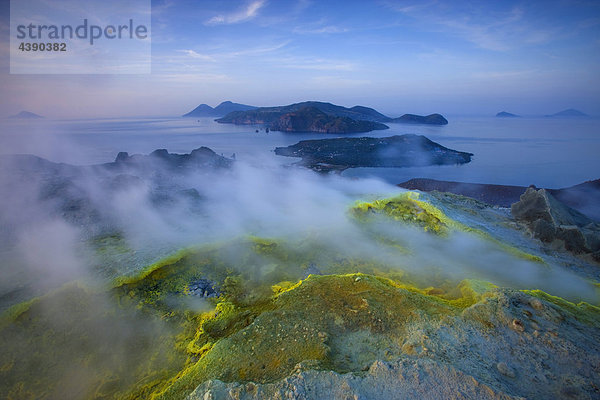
310, 116
311, 119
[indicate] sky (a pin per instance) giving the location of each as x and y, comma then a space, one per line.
450, 57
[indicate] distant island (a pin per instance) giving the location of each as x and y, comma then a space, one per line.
432, 119
311, 119
504, 114
204, 110
316, 116
571, 112
395, 151
25, 115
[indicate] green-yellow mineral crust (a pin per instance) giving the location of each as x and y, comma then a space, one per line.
275, 314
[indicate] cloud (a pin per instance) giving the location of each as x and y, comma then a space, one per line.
246, 14
255, 50
495, 35
323, 30
494, 75
335, 82
319, 29
496, 30
316, 64
406, 8
193, 54
220, 56
160, 8
188, 78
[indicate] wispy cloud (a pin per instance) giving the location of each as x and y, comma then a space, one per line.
495, 35
494, 75
495, 30
194, 54
316, 64
261, 50
322, 30
160, 8
217, 56
336, 82
406, 7
249, 12
318, 28
193, 77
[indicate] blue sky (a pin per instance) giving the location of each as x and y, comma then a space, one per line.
452, 57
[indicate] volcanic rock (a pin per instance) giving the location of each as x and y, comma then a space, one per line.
550, 220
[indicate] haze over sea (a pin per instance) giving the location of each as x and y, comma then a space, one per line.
547, 152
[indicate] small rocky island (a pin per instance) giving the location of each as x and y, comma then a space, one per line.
505, 114
26, 115
571, 112
394, 151
315, 116
432, 119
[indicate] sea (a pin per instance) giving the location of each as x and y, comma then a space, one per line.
546, 152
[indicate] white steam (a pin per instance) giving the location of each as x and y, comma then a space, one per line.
158, 212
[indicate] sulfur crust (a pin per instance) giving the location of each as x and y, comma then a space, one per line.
408, 207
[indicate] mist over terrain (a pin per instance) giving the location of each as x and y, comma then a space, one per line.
61, 222
80, 243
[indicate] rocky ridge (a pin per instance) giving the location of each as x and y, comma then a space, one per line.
556, 224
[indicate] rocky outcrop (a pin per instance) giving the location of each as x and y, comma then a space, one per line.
63, 190
204, 288
202, 157
553, 222
400, 379
393, 151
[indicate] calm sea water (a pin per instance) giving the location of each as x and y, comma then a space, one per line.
542, 151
